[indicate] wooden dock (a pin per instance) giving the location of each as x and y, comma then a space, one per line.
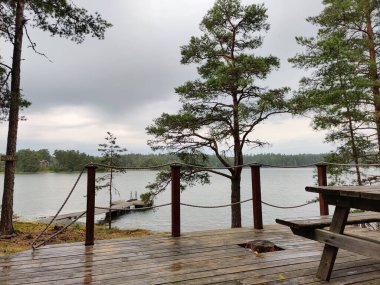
118, 207
208, 257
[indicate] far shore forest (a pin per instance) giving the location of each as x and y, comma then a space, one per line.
35, 161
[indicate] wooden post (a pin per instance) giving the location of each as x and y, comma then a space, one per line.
256, 195
90, 211
176, 200
322, 181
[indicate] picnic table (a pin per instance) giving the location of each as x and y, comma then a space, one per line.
344, 198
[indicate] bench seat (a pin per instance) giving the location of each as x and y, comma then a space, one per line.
325, 221
311, 228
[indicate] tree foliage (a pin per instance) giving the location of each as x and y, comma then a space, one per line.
4, 90
221, 109
59, 18
29, 160
342, 89
69, 160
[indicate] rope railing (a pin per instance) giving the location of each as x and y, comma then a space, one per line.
36, 245
217, 206
247, 200
352, 164
59, 210
205, 168
135, 209
212, 206
153, 167
257, 201
290, 166
291, 207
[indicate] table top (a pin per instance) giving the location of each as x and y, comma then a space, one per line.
365, 192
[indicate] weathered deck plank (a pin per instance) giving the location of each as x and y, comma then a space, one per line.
211, 257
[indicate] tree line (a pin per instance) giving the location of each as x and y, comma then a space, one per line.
34, 161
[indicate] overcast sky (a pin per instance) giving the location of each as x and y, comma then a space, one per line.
122, 83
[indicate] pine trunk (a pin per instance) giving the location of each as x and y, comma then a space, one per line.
373, 73
355, 151
235, 197
6, 225
238, 160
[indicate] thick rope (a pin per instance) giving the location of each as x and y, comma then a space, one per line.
169, 164
218, 206
205, 168
131, 168
60, 209
291, 207
290, 166
352, 164
134, 209
35, 246
213, 206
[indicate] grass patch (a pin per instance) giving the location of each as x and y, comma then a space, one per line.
26, 232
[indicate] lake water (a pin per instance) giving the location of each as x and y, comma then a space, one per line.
40, 195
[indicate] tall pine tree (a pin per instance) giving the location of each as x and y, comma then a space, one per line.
338, 95
221, 109
59, 18
344, 87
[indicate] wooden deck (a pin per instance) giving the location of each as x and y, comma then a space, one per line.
209, 257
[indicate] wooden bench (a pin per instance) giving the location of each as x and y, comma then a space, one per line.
325, 221
312, 228
344, 198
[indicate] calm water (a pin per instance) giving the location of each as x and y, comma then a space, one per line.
39, 195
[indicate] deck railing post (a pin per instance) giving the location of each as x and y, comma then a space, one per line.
176, 199
90, 210
322, 181
256, 195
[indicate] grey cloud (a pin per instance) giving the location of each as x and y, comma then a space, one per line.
137, 66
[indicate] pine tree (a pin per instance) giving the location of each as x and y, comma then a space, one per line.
338, 97
59, 18
221, 109
343, 89
111, 156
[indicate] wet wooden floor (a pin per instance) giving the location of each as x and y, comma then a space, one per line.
209, 257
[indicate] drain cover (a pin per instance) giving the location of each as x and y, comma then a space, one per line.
261, 246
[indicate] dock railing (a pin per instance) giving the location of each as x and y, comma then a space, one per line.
322, 181
175, 203
90, 207
176, 198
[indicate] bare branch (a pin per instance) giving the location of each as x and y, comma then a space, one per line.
5, 65
33, 45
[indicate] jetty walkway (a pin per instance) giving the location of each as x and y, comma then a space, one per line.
118, 207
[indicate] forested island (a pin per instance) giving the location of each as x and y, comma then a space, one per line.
33, 161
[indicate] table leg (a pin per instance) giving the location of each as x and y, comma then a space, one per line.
329, 252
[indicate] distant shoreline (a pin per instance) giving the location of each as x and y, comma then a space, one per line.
72, 161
